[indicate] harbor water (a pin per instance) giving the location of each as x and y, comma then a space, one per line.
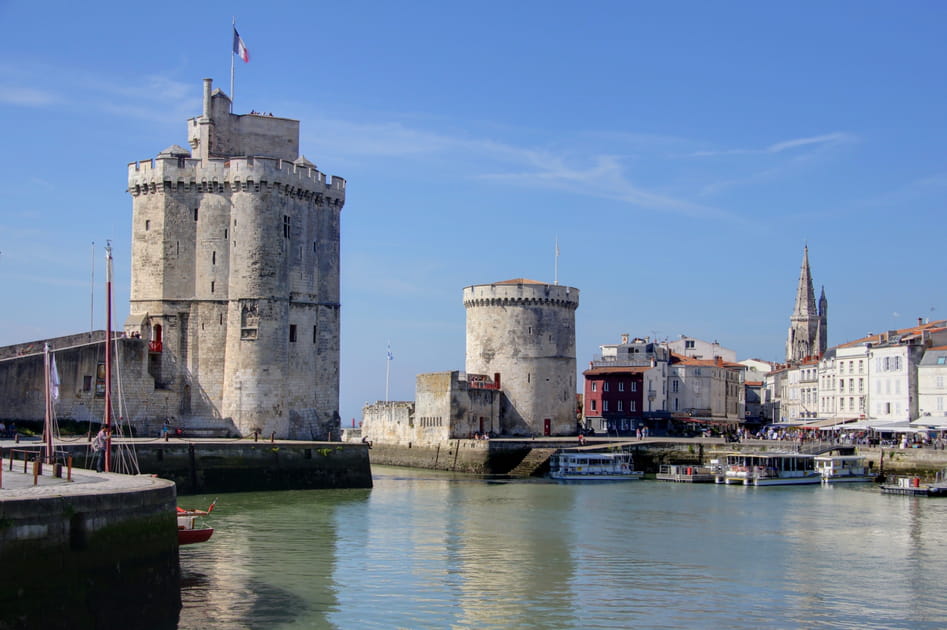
433, 550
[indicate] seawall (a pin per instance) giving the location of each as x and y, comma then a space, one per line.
98, 552
501, 456
209, 465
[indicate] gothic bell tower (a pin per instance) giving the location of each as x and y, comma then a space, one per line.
809, 320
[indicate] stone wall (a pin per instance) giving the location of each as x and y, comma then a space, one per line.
90, 560
482, 457
200, 466
141, 401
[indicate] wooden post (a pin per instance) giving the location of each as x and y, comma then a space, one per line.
36, 471
69, 468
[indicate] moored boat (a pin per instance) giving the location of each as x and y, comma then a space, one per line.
769, 469
585, 466
843, 468
688, 473
191, 527
912, 486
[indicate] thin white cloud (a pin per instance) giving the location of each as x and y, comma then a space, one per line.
824, 140
599, 175
152, 97
26, 96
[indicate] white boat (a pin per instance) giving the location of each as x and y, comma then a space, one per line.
583, 466
843, 468
769, 469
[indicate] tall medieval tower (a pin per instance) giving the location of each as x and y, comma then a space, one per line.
525, 331
808, 323
235, 275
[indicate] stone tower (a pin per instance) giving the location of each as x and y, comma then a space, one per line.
235, 275
808, 322
525, 331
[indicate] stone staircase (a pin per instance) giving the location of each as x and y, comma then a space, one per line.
535, 463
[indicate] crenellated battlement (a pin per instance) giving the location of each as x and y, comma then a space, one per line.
524, 294
171, 174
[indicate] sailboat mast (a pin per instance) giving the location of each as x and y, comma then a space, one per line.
48, 420
108, 356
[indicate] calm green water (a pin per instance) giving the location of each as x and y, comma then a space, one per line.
432, 550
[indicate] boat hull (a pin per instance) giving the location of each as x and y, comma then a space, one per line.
848, 479
573, 477
191, 536
771, 481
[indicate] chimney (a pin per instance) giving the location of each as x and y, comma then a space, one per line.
207, 99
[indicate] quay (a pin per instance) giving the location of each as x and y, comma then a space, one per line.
99, 551
208, 465
530, 456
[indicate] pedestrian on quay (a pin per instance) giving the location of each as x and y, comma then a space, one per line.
98, 449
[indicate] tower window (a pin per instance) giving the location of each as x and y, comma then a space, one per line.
225, 232
292, 333
147, 224
315, 333
213, 258
195, 214
211, 286
286, 225
313, 247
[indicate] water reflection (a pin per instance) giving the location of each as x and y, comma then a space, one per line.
435, 550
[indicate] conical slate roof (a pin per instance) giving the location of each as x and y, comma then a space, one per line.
175, 151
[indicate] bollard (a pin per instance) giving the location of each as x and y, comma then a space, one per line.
272, 437
166, 435
57, 470
36, 472
256, 435
69, 468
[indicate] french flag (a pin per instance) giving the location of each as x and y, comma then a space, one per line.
239, 48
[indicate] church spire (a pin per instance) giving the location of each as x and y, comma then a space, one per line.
805, 294
807, 324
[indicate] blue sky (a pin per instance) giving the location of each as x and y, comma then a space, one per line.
681, 152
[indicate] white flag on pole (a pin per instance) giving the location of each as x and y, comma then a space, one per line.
53, 380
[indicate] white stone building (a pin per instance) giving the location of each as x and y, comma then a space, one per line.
932, 385
694, 348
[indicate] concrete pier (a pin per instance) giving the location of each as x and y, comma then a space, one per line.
99, 551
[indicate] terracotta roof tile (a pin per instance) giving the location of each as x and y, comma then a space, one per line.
520, 281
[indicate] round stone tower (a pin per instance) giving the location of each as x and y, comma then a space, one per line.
525, 331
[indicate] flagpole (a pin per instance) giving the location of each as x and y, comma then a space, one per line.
557, 261
387, 370
234, 25
92, 296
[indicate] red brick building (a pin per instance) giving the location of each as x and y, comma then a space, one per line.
614, 398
